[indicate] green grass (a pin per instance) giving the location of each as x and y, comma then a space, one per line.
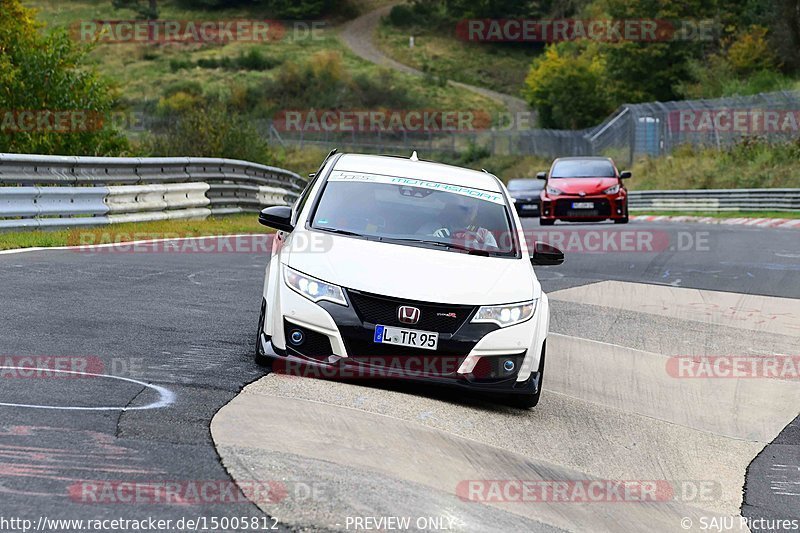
725, 214
163, 229
501, 67
750, 165
142, 71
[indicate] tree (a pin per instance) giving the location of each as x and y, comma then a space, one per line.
290, 9
44, 75
568, 87
147, 10
198, 127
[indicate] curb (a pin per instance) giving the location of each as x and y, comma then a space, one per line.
757, 222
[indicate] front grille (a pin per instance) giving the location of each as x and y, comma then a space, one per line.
602, 208
362, 347
439, 362
433, 317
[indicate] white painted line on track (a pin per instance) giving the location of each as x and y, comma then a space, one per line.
166, 396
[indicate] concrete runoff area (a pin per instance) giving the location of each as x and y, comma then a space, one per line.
631, 380
608, 412
361, 444
744, 311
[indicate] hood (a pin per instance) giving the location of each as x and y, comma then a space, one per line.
578, 185
412, 272
526, 194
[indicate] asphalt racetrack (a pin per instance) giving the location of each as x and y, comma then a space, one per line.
146, 349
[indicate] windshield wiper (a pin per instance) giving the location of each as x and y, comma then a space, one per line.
340, 232
440, 244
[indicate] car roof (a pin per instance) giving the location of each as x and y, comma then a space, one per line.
584, 158
425, 170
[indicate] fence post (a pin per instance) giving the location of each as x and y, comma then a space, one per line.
634, 117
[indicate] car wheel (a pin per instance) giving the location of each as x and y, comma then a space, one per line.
528, 401
546, 222
621, 220
260, 356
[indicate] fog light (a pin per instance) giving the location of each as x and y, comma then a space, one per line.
508, 365
296, 337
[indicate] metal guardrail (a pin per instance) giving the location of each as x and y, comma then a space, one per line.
716, 200
60, 192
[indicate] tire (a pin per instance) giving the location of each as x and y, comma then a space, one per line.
621, 220
260, 357
546, 222
529, 401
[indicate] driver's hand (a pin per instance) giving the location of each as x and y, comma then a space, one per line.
470, 236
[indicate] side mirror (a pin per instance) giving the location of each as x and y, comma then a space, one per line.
278, 217
541, 175
625, 174
545, 254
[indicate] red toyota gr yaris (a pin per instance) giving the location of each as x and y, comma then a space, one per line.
583, 189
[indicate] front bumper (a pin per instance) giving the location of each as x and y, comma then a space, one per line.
346, 369
606, 207
340, 346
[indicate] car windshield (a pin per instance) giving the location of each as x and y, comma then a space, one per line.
525, 185
415, 212
586, 168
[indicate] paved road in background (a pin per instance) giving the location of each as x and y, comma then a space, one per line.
184, 323
358, 35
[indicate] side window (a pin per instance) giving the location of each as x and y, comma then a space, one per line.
302, 199
298, 206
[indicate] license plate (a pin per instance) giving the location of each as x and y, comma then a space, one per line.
582, 205
528, 207
427, 340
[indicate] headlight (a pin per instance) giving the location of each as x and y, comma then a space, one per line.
614, 189
506, 315
553, 191
312, 288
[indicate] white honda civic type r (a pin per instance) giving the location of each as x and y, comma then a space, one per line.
401, 268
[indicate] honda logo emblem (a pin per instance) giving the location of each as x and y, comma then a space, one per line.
407, 314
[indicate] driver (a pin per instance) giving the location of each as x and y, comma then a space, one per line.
458, 221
